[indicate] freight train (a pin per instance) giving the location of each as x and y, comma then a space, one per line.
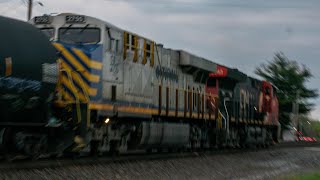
76, 84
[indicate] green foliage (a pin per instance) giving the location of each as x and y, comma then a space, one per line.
309, 127
289, 77
316, 127
312, 176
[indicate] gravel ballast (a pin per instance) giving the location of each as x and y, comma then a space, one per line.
263, 164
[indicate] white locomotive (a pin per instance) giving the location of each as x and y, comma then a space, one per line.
127, 91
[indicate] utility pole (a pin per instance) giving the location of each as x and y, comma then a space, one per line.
30, 4
297, 110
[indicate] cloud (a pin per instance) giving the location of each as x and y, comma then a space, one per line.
315, 114
4, 1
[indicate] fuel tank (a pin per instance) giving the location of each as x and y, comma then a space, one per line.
154, 134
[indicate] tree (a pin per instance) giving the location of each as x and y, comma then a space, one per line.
290, 78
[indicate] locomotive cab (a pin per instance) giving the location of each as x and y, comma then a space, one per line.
222, 84
269, 103
224, 80
79, 41
222, 88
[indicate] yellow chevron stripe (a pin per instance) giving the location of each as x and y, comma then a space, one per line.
65, 94
68, 96
74, 90
66, 81
73, 60
91, 91
90, 63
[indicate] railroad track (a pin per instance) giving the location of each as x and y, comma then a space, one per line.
134, 157
296, 144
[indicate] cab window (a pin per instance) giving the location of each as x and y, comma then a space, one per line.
79, 35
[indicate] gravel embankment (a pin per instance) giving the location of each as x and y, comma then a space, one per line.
264, 164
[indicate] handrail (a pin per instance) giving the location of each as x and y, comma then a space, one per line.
86, 94
74, 93
224, 118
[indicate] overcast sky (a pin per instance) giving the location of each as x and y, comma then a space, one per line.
236, 33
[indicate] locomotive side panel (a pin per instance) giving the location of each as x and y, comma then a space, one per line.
246, 103
112, 64
146, 69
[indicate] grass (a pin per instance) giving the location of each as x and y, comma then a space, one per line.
311, 176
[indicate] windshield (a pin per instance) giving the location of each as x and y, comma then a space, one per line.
79, 35
48, 32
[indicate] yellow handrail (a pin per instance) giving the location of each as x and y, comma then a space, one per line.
86, 94
68, 72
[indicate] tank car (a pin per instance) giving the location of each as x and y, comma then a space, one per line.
28, 76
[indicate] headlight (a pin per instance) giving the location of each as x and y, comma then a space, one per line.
107, 120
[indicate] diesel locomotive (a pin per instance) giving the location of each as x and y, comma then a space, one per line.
76, 84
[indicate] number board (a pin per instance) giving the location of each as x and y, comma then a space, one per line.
75, 19
42, 20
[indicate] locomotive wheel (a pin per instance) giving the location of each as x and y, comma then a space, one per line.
94, 148
170, 150
114, 148
8, 141
149, 150
160, 150
236, 140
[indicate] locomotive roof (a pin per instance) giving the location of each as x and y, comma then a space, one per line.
198, 66
234, 74
190, 59
237, 75
109, 25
